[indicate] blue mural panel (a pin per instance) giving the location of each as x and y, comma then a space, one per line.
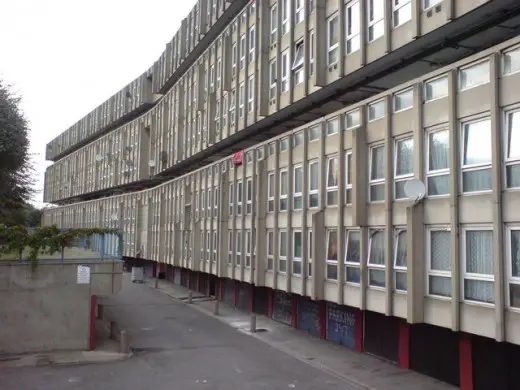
341, 325
282, 308
309, 316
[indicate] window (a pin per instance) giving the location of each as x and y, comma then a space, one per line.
249, 194
353, 27
298, 63
241, 93
217, 115
376, 259
215, 246
377, 174
297, 253
431, 3
299, 12
197, 204
248, 248
436, 89
234, 57
242, 52
238, 246
477, 249
353, 256
224, 111
311, 53
250, 94
439, 262
285, 71
284, 144
298, 188
272, 79
376, 19
511, 61
286, 12
476, 156
474, 75
513, 256
376, 110
313, 184
239, 197
348, 178
209, 202
297, 139
332, 254
352, 119
402, 11
332, 181
252, 44
230, 247
274, 23
314, 133
282, 252
208, 246
333, 126
215, 198
270, 250
403, 100
438, 168
270, 191
332, 40
284, 181
400, 260
309, 255
512, 149
403, 169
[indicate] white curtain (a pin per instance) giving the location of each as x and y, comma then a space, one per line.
479, 261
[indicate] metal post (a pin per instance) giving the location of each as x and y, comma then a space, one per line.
124, 344
156, 282
252, 324
215, 311
190, 297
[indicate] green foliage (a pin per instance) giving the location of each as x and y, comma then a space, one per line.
45, 239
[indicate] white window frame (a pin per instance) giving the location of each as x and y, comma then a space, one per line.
272, 79
437, 172
208, 246
224, 111
372, 119
217, 115
351, 264
513, 70
243, 50
215, 198
282, 259
284, 144
443, 79
509, 161
240, 188
298, 68
512, 280
231, 190
283, 197
377, 181
376, 267
397, 95
311, 53
241, 98
427, 4
348, 173
472, 167
372, 23
352, 35
297, 260
234, 57
248, 248
238, 246
331, 262
285, 72
286, 16
274, 23
252, 43
299, 12
297, 194
212, 78
473, 65
249, 196
309, 253
398, 7
471, 276
230, 247
219, 72
357, 112
404, 177
270, 255
333, 188
209, 193
334, 124
271, 192
399, 269
431, 272
332, 48
250, 94
313, 191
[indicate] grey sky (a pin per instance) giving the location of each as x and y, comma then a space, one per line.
65, 57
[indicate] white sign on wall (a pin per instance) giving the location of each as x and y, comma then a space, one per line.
83, 274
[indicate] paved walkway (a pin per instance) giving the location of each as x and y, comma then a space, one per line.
361, 370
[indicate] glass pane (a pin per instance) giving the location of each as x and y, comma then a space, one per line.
298, 57
270, 264
513, 145
271, 206
313, 200
438, 150
377, 248
297, 202
377, 169
479, 180
440, 250
314, 133
353, 44
297, 267
333, 31
479, 252
402, 250
477, 143
399, 189
376, 278
403, 100
332, 271
332, 245
436, 89
353, 275
332, 126
377, 193
514, 295
511, 61
298, 180
283, 182
440, 285
332, 198
474, 75
353, 247
439, 185
515, 253
353, 19
297, 245
332, 172
403, 15
313, 171
284, 204
513, 176
282, 265
376, 110
401, 281
283, 244
479, 290
404, 160
353, 118
377, 30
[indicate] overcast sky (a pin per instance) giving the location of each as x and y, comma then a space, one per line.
65, 57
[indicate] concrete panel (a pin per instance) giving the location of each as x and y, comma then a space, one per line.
477, 320
437, 312
375, 300
512, 321
400, 305
352, 295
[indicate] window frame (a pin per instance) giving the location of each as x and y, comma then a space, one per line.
273, 79
248, 247
298, 69
502, 62
299, 11
294, 258
508, 161
286, 16
404, 177
437, 172
252, 43
243, 49
238, 247
347, 114
511, 280
309, 253
377, 181
249, 196
397, 8
351, 264
297, 194
270, 255
399, 268
271, 195
250, 94
334, 48
240, 199
428, 4
350, 35
372, 23
283, 197
373, 104
234, 57
400, 93
313, 191
333, 188
469, 66
273, 16
286, 60
282, 259
377, 267
432, 272
348, 177
335, 128
230, 247
331, 262
472, 167
444, 79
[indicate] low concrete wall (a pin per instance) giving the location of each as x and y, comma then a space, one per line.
44, 308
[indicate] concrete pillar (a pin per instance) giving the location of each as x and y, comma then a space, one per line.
252, 323
404, 345
465, 362
190, 297
359, 331
416, 263
216, 307
124, 342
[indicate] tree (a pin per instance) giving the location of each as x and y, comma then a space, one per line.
15, 166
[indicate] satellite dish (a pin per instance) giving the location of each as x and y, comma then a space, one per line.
414, 189
99, 157
151, 163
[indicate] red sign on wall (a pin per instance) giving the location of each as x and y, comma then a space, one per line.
238, 158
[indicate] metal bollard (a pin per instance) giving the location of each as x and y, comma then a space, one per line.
190, 297
156, 283
100, 310
252, 324
124, 342
113, 330
215, 310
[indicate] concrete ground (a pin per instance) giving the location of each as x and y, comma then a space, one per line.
180, 346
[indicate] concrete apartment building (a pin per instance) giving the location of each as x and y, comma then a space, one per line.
263, 158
